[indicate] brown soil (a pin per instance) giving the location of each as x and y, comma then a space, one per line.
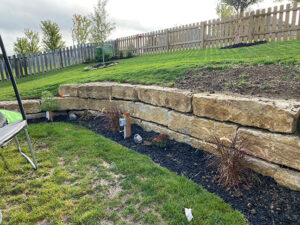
271, 81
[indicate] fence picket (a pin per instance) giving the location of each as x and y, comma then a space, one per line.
279, 33
287, 22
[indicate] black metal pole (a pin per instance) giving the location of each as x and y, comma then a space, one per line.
13, 81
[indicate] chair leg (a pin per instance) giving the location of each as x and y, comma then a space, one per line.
34, 163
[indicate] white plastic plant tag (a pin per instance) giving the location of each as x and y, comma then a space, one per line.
48, 115
188, 214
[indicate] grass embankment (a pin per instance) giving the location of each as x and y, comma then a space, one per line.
84, 178
157, 69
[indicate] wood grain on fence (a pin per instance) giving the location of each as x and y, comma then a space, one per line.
270, 24
31, 64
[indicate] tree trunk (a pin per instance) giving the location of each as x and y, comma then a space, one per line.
103, 55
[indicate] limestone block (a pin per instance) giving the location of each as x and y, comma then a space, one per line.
69, 89
124, 91
30, 106
150, 113
288, 178
176, 99
193, 126
98, 90
277, 148
273, 115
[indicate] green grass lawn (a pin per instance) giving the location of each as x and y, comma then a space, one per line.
84, 178
157, 69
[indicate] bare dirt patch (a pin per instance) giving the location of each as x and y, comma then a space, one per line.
271, 81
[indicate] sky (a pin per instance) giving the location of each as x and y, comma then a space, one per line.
130, 16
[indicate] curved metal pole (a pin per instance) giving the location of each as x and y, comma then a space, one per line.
12, 78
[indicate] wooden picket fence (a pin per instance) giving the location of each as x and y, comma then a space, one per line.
27, 65
277, 24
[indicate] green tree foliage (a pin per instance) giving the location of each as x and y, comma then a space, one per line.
52, 39
224, 11
101, 26
21, 46
28, 44
239, 6
1, 56
33, 41
80, 30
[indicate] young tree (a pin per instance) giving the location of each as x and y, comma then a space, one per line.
80, 30
33, 40
28, 44
224, 11
52, 39
21, 46
101, 26
239, 6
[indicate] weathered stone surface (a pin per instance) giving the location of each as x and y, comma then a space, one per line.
273, 115
193, 126
179, 137
135, 121
261, 166
36, 116
167, 97
70, 103
98, 90
124, 91
30, 106
69, 89
277, 148
150, 113
288, 178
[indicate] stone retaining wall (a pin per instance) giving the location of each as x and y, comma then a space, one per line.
270, 126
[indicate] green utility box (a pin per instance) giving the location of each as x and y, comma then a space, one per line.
108, 52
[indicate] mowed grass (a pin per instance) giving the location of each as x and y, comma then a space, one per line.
163, 69
84, 178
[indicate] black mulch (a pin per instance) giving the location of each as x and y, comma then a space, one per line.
264, 203
240, 45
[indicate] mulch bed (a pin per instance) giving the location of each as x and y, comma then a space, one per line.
264, 203
241, 45
271, 81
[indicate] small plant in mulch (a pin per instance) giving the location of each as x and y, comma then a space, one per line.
243, 83
48, 104
244, 76
230, 162
161, 140
113, 116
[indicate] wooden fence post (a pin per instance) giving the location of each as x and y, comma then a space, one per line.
202, 34
167, 40
251, 25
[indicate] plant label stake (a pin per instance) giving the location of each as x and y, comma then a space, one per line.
125, 123
128, 124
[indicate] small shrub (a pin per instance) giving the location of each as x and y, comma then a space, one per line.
121, 54
266, 86
285, 78
243, 83
244, 76
161, 140
129, 54
231, 162
298, 78
48, 102
106, 57
113, 116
